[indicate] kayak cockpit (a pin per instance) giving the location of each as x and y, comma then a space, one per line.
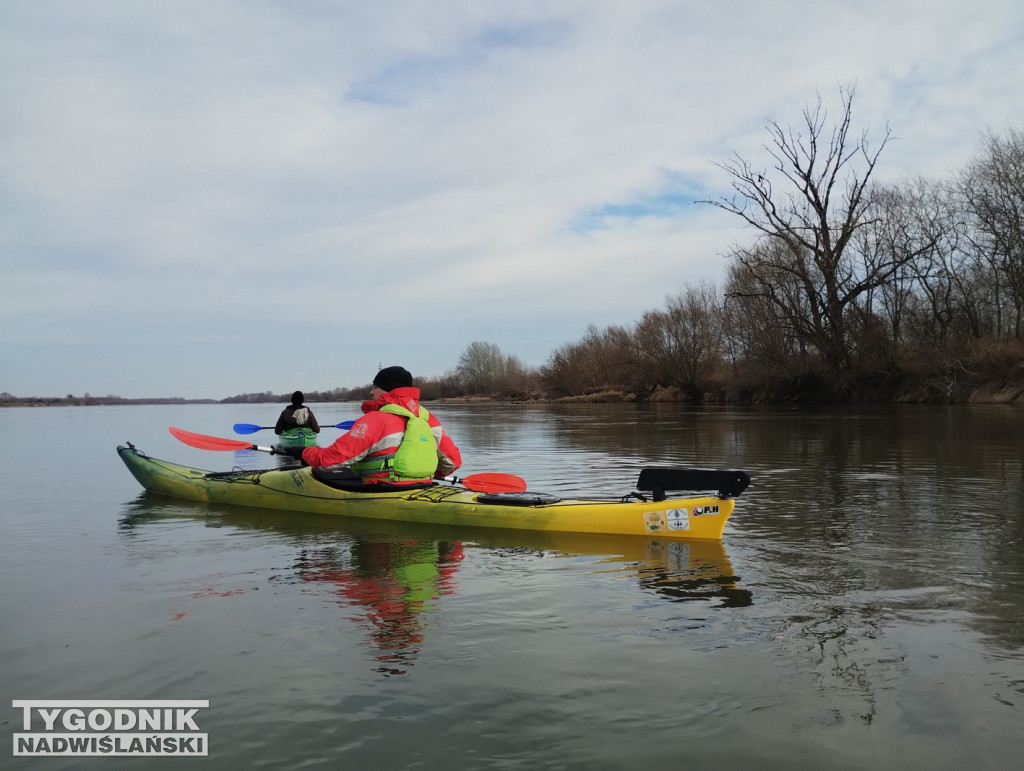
347, 480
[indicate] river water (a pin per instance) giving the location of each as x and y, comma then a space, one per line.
865, 608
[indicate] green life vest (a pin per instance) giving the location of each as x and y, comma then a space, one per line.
416, 457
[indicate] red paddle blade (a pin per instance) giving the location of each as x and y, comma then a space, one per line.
494, 483
203, 442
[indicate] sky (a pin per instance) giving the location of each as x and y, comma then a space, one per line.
203, 198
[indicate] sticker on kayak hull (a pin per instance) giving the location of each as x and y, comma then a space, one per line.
654, 521
673, 519
677, 519
703, 511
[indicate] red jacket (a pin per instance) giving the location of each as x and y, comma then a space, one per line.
380, 433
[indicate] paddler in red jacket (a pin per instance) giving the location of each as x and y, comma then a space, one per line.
396, 443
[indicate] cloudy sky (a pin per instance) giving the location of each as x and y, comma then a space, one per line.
202, 198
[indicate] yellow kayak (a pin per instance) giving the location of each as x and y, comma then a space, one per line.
646, 511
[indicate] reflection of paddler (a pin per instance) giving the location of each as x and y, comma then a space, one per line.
395, 583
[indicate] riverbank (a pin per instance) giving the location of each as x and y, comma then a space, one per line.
812, 389
992, 379
795, 392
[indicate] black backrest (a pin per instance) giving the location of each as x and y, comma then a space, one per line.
726, 484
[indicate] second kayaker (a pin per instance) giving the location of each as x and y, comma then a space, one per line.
396, 443
297, 424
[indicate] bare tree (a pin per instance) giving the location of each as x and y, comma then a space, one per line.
480, 366
762, 326
810, 269
597, 362
484, 369
992, 189
916, 228
681, 345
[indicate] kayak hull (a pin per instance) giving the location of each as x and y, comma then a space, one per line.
296, 489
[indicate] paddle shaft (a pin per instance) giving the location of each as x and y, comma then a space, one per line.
487, 482
252, 428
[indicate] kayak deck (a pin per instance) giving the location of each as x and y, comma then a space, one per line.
298, 489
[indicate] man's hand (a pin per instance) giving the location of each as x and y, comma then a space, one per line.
294, 452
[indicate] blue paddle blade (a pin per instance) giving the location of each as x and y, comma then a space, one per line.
346, 424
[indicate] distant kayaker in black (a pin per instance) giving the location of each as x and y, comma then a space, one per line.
296, 419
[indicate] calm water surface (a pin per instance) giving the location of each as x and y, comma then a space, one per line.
864, 610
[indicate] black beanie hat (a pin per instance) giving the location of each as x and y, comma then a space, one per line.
390, 378
298, 398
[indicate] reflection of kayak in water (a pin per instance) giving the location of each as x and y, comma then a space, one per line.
389, 575
674, 568
310, 490
395, 581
